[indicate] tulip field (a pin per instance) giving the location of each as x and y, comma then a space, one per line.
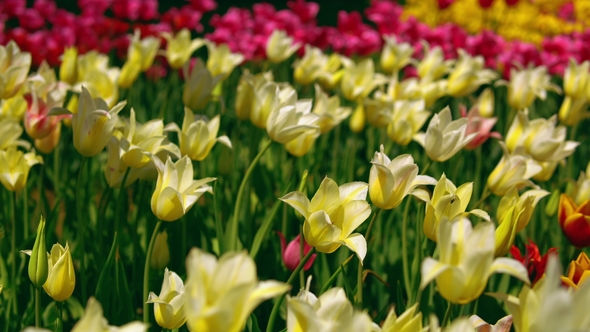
419, 166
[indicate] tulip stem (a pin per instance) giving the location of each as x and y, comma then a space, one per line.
81, 225
146, 273
279, 301
13, 250
447, 317
371, 224
405, 250
359, 286
59, 320
37, 306
484, 195
232, 236
119, 198
336, 273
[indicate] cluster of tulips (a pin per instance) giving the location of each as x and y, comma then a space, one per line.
318, 167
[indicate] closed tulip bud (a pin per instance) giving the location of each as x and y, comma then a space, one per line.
406, 120
176, 190
180, 47
221, 60
15, 166
161, 254
291, 252
468, 75
358, 118
169, 306
309, 67
247, 86
395, 56
460, 244
38, 265
61, 279
291, 121
280, 47
444, 137
553, 203
68, 70
485, 103
199, 86
574, 221
266, 99
390, 181
14, 67
514, 169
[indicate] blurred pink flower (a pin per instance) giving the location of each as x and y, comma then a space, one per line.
203, 6
94, 7
127, 9
386, 15
37, 122
13, 8
31, 19
478, 124
291, 252
46, 8
185, 17
306, 11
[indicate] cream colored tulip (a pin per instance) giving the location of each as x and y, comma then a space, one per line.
13, 108
359, 80
11, 131
502, 325
301, 145
432, 90
576, 78
180, 47
581, 189
466, 261
115, 168
15, 166
433, 65
329, 110
331, 73
199, 85
527, 84
447, 203
176, 191
444, 137
391, 180
514, 169
395, 56
468, 75
93, 321
221, 294
280, 47
573, 111
269, 97
140, 57
68, 69
221, 60
407, 119
309, 67
485, 103
245, 94
409, 321
169, 306
14, 68
407, 89
61, 279
289, 122
198, 135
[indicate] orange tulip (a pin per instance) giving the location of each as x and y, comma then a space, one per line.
575, 221
578, 271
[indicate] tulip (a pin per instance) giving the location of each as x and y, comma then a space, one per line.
332, 215
245, 94
502, 325
309, 67
406, 120
38, 264
578, 272
573, 111
574, 221
359, 80
221, 61
514, 170
198, 135
409, 320
329, 110
267, 98
358, 118
479, 125
68, 70
378, 113
14, 67
331, 312
433, 65
38, 123
532, 260
115, 168
279, 47
576, 78
289, 122
93, 124
301, 145
581, 188
176, 190
93, 321
390, 181
199, 86
161, 254
485, 103
331, 73
394, 56
48, 143
407, 89
535, 308
15, 166
221, 294
444, 137
61, 278
180, 47
458, 278
447, 202
100, 80
291, 252
13, 108
169, 305
468, 75
11, 131
432, 91
129, 73
527, 84
514, 213
143, 51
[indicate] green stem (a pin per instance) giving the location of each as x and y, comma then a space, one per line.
119, 200
486, 193
25, 194
13, 250
335, 275
359, 286
37, 306
447, 317
425, 169
301, 255
59, 319
371, 224
146, 274
277, 305
81, 225
232, 236
405, 249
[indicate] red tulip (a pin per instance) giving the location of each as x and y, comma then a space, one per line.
575, 221
291, 254
485, 3
532, 260
443, 4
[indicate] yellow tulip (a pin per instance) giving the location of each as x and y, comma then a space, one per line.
280, 47
169, 305
245, 94
535, 310
176, 190
468, 75
527, 84
13, 108
378, 113
180, 47
485, 103
331, 312
115, 168
199, 86
286, 123
14, 68
407, 89
198, 135
329, 110
447, 202
391, 180
129, 73
406, 120
359, 80
68, 70
89, 63
11, 131
268, 98
221, 60
331, 73
301, 145
309, 67
513, 214
93, 321
395, 56
410, 321
466, 261
332, 215
95, 75
48, 143
432, 90
444, 137
433, 65
61, 278
576, 78
143, 50
15, 166
581, 189
573, 111
161, 254
358, 118
514, 170
221, 294
93, 124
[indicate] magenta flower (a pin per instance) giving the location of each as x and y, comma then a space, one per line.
291, 254
478, 124
306, 11
203, 6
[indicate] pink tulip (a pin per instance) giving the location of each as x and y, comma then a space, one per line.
203, 6
37, 122
306, 11
46, 8
291, 254
480, 125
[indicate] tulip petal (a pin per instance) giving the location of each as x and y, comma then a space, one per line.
512, 267
353, 191
298, 201
431, 269
357, 243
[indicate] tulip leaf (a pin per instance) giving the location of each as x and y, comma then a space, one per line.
252, 324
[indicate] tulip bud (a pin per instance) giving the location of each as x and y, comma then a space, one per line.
161, 254
61, 279
38, 264
68, 71
48, 143
291, 252
357, 120
553, 204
